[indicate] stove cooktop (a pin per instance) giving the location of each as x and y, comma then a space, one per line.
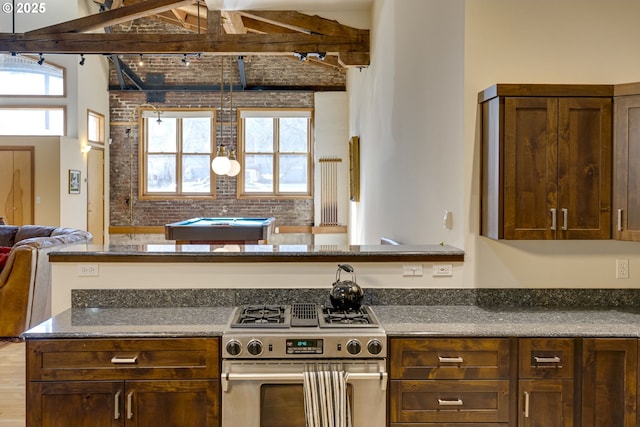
303, 331
302, 315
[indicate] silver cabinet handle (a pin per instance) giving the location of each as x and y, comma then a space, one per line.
619, 219
553, 219
526, 404
130, 406
116, 406
450, 359
450, 402
565, 216
124, 360
554, 359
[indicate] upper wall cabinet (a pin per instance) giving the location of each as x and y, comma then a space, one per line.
626, 164
546, 161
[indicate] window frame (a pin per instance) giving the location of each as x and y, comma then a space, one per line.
61, 108
275, 114
46, 64
145, 114
100, 118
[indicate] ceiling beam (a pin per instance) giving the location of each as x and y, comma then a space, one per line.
112, 17
300, 22
353, 51
232, 22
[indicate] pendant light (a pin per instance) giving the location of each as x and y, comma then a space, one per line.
234, 167
221, 163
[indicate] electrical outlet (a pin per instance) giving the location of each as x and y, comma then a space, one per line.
412, 270
87, 270
622, 268
442, 270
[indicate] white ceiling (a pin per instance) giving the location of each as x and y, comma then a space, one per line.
299, 5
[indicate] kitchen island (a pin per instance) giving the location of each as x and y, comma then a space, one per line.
224, 267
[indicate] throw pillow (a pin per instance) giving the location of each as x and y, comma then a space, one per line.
8, 234
4, 255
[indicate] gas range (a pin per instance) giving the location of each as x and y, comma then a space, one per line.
299, 331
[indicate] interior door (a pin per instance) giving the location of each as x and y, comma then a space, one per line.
95, 198
16, 185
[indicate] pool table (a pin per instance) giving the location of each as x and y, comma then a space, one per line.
237, 231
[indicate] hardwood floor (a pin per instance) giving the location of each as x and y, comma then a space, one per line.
12, 385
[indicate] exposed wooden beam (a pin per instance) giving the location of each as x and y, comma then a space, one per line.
263, 27
112, 17
301, 22
232, 22
353, 51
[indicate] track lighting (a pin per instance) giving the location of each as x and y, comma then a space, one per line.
41, 60
82, 59
185, 60
141, 61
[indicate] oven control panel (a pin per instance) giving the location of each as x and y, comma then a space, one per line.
305, 346
309, 345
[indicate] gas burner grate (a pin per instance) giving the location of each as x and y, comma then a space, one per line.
261, 316
362, 317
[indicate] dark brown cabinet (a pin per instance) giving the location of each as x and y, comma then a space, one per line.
546, 382
609, 382
123, 383
546, 161
626, 166
448, 382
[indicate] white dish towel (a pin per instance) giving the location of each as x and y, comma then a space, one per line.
326, 402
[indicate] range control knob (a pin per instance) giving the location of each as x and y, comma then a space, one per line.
354, 347
374, 347
234, 348
254, 347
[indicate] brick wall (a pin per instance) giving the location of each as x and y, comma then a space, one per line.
126, 208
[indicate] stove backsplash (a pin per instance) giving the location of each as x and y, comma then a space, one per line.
550, 298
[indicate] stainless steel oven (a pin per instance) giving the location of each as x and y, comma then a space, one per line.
270, 352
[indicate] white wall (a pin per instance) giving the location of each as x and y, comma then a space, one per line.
416, 109
407, 108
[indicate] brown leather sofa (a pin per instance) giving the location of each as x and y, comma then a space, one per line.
25, 279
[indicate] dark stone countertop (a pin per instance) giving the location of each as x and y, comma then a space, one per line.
418, 321
256, 253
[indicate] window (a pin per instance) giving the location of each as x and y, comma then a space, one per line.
23, 76
95, 127
276, 153
32, 121
176, 153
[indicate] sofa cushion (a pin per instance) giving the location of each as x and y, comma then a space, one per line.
29, 231
8, 234
4, 255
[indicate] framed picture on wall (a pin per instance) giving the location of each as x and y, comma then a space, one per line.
74, 181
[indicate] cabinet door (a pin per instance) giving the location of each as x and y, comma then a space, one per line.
584, 168
172, 404
627, 168
530, 167
75, 403
545, 403
609, 382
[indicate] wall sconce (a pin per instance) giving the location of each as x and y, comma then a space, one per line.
85, 148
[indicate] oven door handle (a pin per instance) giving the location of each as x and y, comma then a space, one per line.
299, 377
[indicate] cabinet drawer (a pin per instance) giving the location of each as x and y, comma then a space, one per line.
546, 358
444, 401
443, 358
106, 359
